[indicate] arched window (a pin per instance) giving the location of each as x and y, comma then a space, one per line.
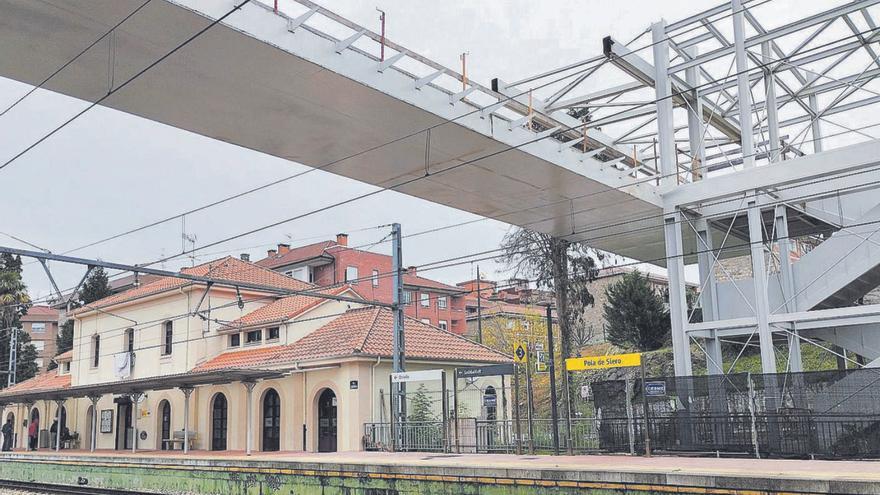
165, 423
218, 422
271, 421
129, 340
96, 350
490, 401
167, 337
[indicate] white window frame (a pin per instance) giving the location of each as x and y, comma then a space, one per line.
407, 297
443, 325
442, 302
426, 321
425, 299
350, 279
38, 325
375, 278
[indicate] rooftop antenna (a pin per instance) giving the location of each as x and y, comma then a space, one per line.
187, 238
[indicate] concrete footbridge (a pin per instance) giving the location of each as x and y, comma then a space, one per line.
657, 168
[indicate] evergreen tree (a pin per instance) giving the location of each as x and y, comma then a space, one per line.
420, 406
635, 314
96, 286
13, 305
64, 340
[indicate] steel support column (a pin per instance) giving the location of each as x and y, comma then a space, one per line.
695, 121
744, 94
775, 147
677, 299
672, 223
709, 291
759, 277
663, 92
784, 245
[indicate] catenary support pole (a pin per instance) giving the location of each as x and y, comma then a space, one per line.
554, 411
646, 413
187, 392
479, 309
457, 426
529, 401
13, 355
444, 410
568, 440
517, 428
399, 341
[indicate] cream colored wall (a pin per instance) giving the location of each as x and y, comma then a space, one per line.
195, 340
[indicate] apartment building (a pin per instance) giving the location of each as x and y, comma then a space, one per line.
334, 262
41, 323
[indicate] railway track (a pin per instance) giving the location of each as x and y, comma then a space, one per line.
47, 488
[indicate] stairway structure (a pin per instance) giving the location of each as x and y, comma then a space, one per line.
731, 132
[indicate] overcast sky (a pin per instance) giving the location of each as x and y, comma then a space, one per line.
109, 172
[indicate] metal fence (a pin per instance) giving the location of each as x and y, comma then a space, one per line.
832, 414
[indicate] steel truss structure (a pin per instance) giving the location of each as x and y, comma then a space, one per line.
761, 141
742, 132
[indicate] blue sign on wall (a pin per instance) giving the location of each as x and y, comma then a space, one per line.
655, 389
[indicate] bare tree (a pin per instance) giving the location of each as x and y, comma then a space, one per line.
557, 264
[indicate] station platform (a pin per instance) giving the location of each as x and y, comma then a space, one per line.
398, 473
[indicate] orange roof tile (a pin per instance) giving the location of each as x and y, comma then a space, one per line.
415, 280
286, 308
49, 380
40, 313
362, 332
227, 269
297, 254
64, 356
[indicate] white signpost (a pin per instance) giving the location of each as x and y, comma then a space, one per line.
416, 376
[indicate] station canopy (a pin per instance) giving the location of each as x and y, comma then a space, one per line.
180, 380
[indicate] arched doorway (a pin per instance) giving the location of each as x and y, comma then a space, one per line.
164, 424
86, 441
9, 442
33, 442
327, 421
271, 421
219, 414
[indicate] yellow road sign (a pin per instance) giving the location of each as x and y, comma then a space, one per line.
520, 352
602, 362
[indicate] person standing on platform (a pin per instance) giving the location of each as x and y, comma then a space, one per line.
33, 433
7, 435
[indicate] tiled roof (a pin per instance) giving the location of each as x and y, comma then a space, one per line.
364, 332
40, 313
64, 356
285, 308
417, 281
122, 282
49, 380
297, 254
227, 269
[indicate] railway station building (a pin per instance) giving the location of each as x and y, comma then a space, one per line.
176, 362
